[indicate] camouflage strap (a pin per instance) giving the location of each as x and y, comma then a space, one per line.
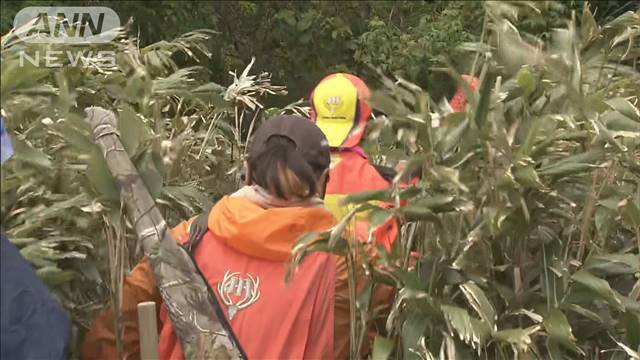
197, 231
197, 317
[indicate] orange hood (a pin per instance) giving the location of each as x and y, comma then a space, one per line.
264, 233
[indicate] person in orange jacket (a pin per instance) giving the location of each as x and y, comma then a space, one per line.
458, 102
244, 253
339, 107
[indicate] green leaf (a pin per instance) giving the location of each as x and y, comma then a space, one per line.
414, 212
608, 136
412, 331
101, 179
589, 26
150, 175
615, 121
452, 137
527, 176
481, 111
559, 329
43, 255
605, 220
412, 165
53, 276
365, 196
378, 217
584, 312
633, 355
521, 338
614, 264
532, 135
470, 330
25, 152
382, 348
631, 305
436, 203
624, 107
288, 16
305, 22
632, 326
598, 286
338, 230
526, 80
133, 131
60, 207
630, 213
610, 203
448, 176
573, 164
479, 302
410, 192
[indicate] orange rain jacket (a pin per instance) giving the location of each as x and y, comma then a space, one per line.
350, 173
244, 257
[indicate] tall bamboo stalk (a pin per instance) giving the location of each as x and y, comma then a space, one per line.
194, 312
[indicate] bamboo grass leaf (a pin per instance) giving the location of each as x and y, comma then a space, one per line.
520, 338
481, 110
132, 129
412, 332
558, 328
585, 312
624, 107
630, 212
613, 263
526, 81
480, 303
365, 196
452, 137
598, 286
573, 165
468, 329
382, 348
25, 152
632, 325
634, 355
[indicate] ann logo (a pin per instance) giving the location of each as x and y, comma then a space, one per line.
71, 24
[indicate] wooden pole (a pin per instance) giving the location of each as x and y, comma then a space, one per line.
148, 330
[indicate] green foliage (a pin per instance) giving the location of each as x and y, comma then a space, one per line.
525, 219
300, 42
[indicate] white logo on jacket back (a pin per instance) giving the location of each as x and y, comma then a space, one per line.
238, 292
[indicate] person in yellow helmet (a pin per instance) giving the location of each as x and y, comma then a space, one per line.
340, 109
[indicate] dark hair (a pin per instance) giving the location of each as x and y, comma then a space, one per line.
282, 171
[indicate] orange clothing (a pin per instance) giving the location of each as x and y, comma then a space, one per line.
286, 321
350, 173
459, 101
243, 257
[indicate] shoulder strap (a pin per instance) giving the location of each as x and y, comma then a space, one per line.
197, 231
